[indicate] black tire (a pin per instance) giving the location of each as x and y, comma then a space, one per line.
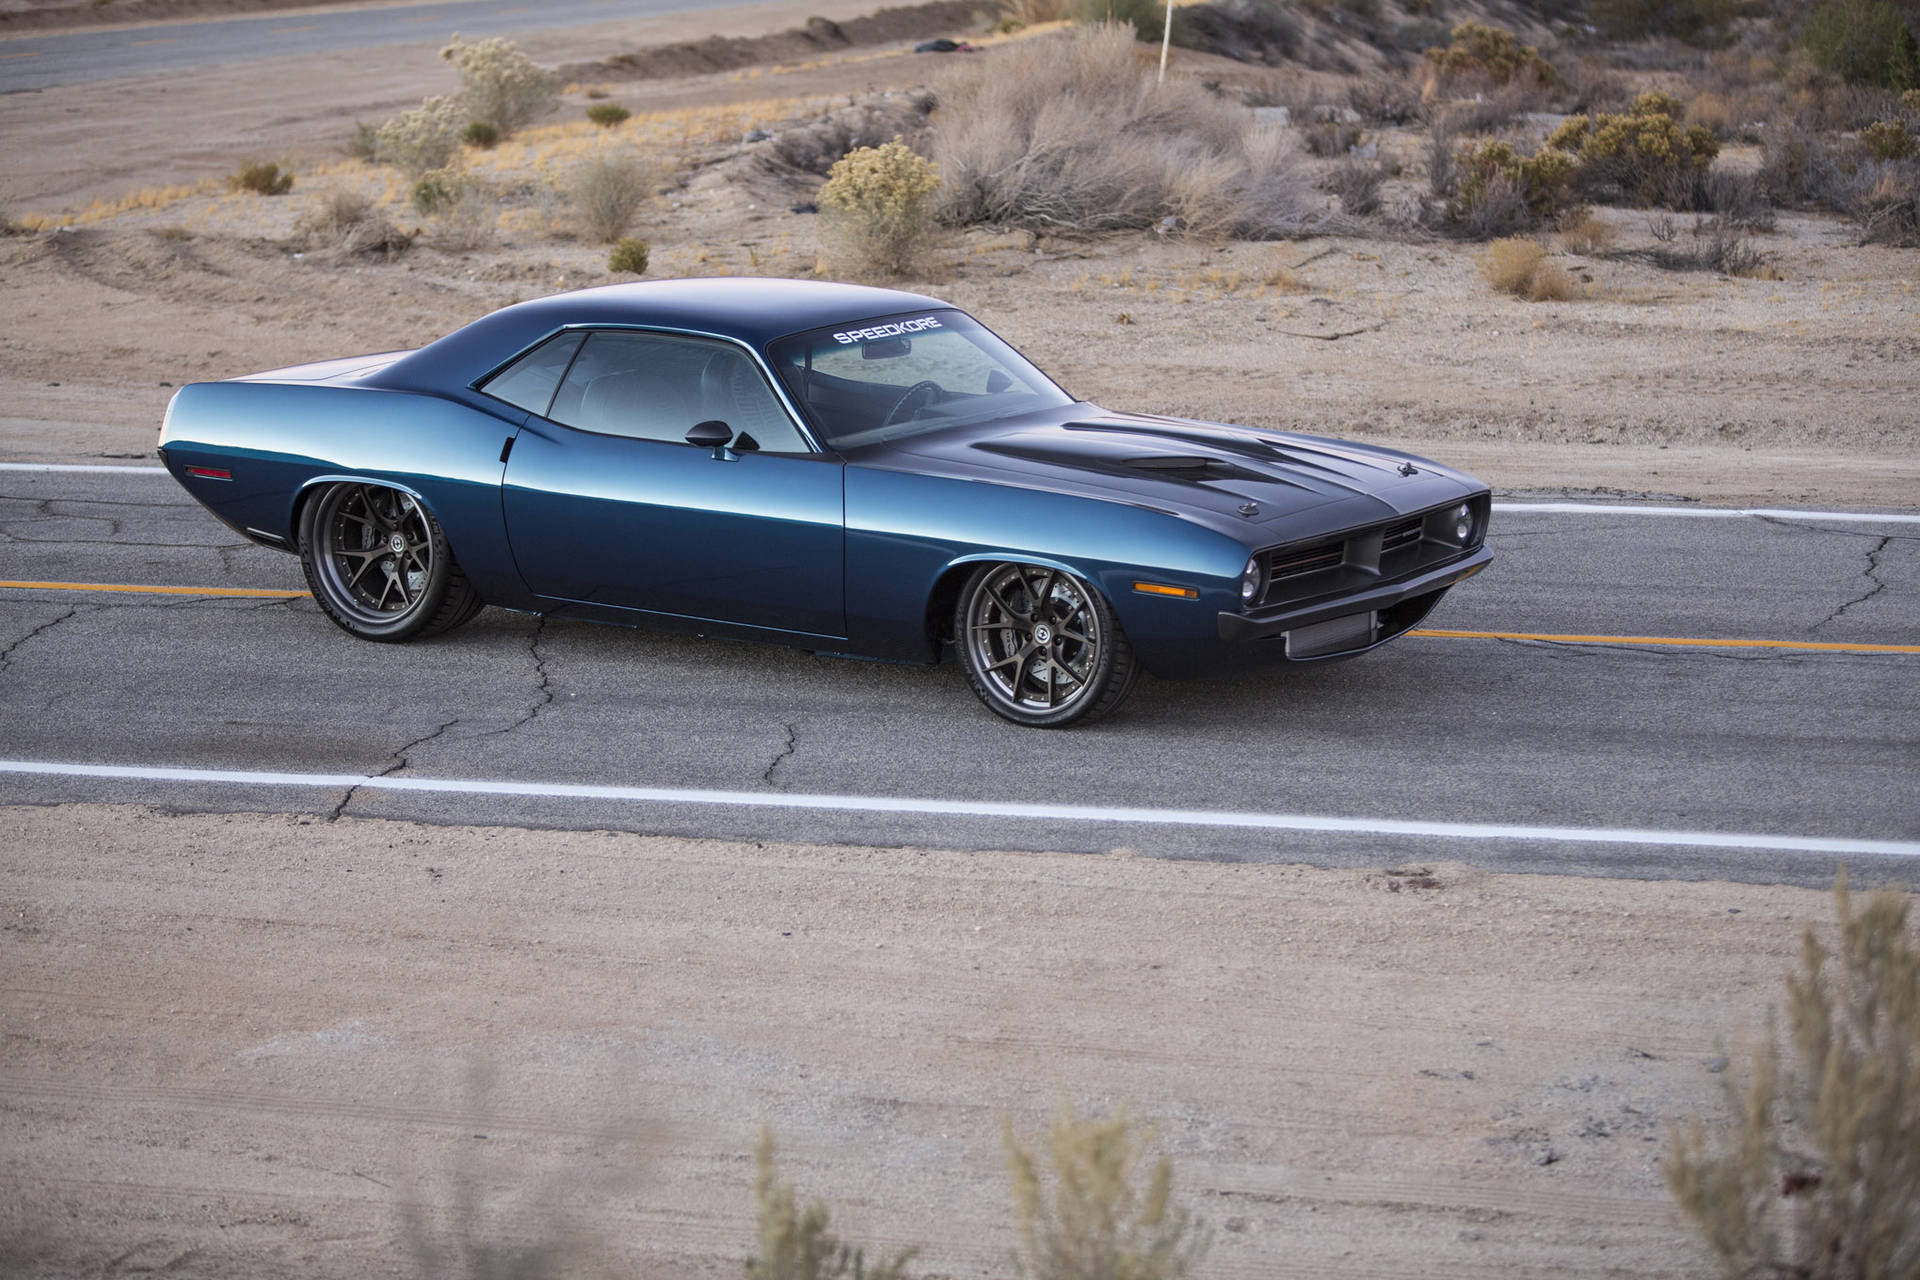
1041, 647
378, 564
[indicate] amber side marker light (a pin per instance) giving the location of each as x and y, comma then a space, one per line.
1161, 589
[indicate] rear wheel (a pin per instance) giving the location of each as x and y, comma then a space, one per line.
1041, 647
379, 565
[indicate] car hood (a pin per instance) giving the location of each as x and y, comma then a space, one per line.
1253, 484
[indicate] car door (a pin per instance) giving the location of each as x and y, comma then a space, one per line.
607, 504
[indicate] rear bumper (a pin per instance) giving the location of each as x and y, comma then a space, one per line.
1395, 607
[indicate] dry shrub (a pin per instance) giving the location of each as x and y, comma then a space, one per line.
1715, 244
1357, 184
815, 147
1818, 1175
1518, 266
1639, 156
347, 223
1478, 55
607, 189
425, 138
1498, 191
467, 213
796, 1243
1089, 1206
878, 206
1032, 13
261, 178
1887, 140
1073, 134
1582, 231
1885, 202
501, 85
1330, 137
1385, 100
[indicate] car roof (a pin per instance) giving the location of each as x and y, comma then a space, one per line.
755, 311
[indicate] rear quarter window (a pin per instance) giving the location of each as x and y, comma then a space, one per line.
530, 381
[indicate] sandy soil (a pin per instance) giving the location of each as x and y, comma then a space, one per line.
242, 1046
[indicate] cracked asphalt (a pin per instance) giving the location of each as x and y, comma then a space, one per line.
1486, 731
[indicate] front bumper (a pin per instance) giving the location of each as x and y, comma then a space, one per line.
1394, 608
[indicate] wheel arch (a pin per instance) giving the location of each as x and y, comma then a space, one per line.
944, 596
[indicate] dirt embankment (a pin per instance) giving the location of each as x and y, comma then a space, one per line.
243, 1045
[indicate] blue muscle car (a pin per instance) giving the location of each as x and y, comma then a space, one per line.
842, 469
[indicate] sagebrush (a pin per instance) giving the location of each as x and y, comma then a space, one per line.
878, 203
796, 1242
1518, 266
629, 256
346, 223
1073, 134
425, 138
1818, 1173
501, 85
1641, 156
606, 190
608, 115
262, 179
1089, 1204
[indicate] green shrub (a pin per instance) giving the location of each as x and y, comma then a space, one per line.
878, 207
1145, 18
1818, 1174
629, 257
481, 134
425, 138
1887, 140
1490, 52
795, 1243
607, 189
365, 142
1088, 1206
607, 114
435, 191
1641, 154
1863, 42
1484, 174
500, 84
262, 178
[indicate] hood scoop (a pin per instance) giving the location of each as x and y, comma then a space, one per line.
1180, 468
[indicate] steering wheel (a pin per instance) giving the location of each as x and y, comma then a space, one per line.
926, 391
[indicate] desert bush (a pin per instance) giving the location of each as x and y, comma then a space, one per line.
1638, 155
1384, 100
608, 115
500, 84
1715, 244
481, 134
606, 190
1518, 265
1492, 54
878, 206
1330, 137
1740, 198
466, 208
1032, 13
1695, 21
629, 257
1356, 182
263, 178
796, 1243
1884, 200
1089, 1206
365, 142
1818, 1173
425, 138
1863, 42
1543, 181
1143, 18
1074, 135
1887, 140
1582, 231
346, 223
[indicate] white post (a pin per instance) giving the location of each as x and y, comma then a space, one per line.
1166, 38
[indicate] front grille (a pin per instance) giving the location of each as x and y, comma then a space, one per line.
1403, 534
1360, 558
1292, 563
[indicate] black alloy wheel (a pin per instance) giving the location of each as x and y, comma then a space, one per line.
379, 565
1040, 646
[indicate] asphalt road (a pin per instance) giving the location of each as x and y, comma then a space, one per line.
83, 57
1428, 730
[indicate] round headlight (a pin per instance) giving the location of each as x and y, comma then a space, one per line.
1250, 581
1462, 522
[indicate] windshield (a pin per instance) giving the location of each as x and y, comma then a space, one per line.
896, 376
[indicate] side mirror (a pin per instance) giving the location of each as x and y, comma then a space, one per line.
711, 434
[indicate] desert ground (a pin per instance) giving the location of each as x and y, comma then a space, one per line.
247, 1045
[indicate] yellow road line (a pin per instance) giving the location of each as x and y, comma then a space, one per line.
250, 592
1687, 641
1696, 642
140, 44
9, 57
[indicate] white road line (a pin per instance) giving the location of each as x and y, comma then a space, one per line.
89, 469
1515, 508
1822, 845
1701, 513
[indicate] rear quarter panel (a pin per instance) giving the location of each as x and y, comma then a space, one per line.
906, 532
279, 439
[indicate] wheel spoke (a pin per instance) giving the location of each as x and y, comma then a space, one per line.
1043, 603
1025, 651
994, 594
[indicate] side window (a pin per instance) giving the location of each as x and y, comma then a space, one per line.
528, 382
654, 386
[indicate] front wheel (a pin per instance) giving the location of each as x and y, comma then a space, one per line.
379, 565
1041, 647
